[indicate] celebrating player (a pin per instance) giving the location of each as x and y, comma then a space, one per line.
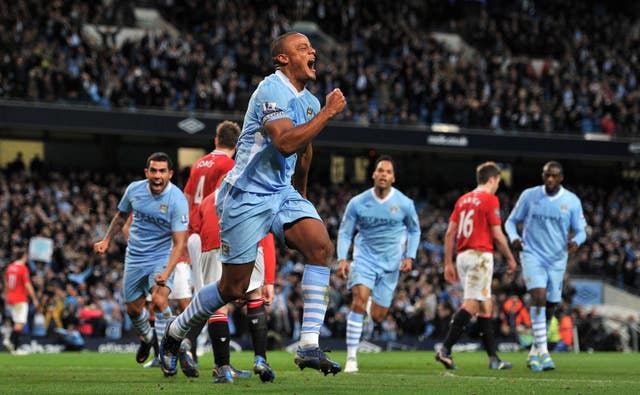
547, 213
384, 217
157, 240
257, 197
476, 224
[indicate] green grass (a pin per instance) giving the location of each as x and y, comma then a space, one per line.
385, 373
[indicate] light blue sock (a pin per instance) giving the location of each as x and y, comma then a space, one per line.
161, 323
354, 331
141, 325
539, 326
315, 289
202, 306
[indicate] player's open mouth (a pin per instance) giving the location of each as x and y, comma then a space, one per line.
312, 65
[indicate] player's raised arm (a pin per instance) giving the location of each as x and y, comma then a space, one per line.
288, 138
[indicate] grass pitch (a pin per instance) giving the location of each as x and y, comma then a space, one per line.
384, 373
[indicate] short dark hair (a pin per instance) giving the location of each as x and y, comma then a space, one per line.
383, 158
277, 47
227, 133
160, 157
555, 164
485, 171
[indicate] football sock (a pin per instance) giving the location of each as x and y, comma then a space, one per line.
354, 331
161, 323
152, 324
192, 335
539, 325
315, 289
141, 325
257, 316
15, 339
218, 328
486, 333
458, 324
202, 306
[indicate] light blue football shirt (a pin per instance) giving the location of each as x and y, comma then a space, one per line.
546, 222
259, 166
388, 229
155, 219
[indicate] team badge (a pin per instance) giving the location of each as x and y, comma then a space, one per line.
309, 111
224, 248
164, 208
564, 208
394, 209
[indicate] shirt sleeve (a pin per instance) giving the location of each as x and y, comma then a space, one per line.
125, 201
413, 229
180, 214
518, 214
347, 228
269, 254
578, 223
493, 213
272, 103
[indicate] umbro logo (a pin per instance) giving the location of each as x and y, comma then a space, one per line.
191, 125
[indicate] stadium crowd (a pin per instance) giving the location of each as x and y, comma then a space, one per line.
79, 289
548, 67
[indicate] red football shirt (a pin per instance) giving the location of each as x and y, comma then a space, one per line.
204, 178
475, 212
16, 279
206, 224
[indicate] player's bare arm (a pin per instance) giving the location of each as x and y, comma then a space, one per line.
115, 226
289, 139
299, 179
343, 269
503, 247
450, 273
177, 251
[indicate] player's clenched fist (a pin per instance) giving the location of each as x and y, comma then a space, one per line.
101, 247
335, 102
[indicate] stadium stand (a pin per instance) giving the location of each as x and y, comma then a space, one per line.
546, 68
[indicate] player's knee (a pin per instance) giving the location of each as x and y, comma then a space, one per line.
233, 290
378, 317
159, 302
359, 306
322, 254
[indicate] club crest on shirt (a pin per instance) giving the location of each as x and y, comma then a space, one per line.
309, 111
394, 209
164, 208
225, 249
564, 208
